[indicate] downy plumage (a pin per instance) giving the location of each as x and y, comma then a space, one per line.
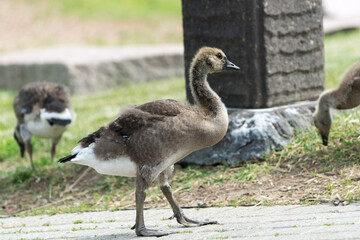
146, 141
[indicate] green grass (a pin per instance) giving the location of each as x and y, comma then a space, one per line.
111, 9
104, 107
49, 181
78, 221
341, 51
344, 145
15, 173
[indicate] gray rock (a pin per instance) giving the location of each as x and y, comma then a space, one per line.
90, 69
253, 132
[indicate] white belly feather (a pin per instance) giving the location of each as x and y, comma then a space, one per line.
41, 128
121, 166
167, 162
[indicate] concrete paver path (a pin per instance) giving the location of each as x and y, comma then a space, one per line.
278, 222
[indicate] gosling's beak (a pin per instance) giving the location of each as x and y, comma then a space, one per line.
230, 65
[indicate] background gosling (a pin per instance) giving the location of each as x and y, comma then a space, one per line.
345, 96
146, 141
43, 110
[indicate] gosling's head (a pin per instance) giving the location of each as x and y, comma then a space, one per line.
213, 60
323, 125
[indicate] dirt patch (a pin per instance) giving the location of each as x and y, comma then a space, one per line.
284, 184
280, 185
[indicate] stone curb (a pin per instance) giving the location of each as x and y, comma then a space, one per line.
90, 69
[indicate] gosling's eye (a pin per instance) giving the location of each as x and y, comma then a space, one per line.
219, 56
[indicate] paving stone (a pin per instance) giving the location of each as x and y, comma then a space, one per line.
276, 222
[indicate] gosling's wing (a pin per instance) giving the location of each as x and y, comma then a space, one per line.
147, 115
131, 120
91, 138
135, 119
166, 107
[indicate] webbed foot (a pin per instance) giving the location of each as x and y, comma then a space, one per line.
150, 232
187, 222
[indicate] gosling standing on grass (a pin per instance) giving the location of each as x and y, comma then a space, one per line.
146, 141
345, 96
43, 110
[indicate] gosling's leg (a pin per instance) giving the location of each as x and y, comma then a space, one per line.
140, 196
29, 148
54, 143
25, 137
19, 141
178, 213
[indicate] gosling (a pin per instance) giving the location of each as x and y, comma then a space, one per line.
345, 96
146, 141
43, 110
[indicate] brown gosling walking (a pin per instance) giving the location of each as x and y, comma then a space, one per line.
345, 96
43, 110
146, 141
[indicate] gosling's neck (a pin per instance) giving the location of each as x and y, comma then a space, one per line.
325, 103
203, 95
